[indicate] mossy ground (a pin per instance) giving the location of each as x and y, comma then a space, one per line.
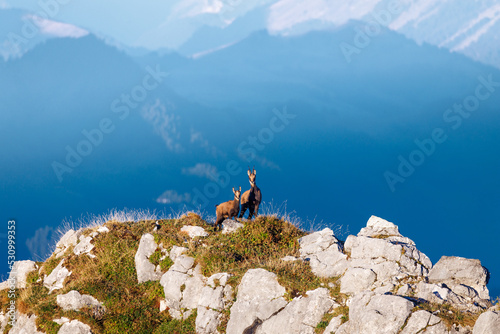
134, 308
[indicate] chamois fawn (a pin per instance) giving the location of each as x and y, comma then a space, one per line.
251, 198
228, 209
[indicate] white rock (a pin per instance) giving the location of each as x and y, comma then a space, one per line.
74, 327
61, 320
25, 325
55, 280
334, 325
259, 297
207, 321
69, 239
374, 314
317, 242
453, 271
73, 300
220, 277
379, 227
182, 264
146, 271
230, 226
424, 322
18, 274
84, 246
487, 323
289, 259
103, 229
324, 253
194, 231
356, 280
176, 251
300, 316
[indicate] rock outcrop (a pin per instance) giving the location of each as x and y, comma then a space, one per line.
374, 282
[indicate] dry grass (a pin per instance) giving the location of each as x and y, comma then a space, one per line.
134, 308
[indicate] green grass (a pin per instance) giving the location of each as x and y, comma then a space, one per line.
111, 277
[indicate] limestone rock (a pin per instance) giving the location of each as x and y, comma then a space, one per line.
259, 297
56, 278
454, 271
379, 227
487, 323
356, 280
84, 246
69, 239
424, 322
194, 231
207, 321
390, 259
370, 313
146, 271
300, 316
18, 274
182, 287
74, 327
324, 253
73, 300
334, 325
176, 251
230, 226
25, 325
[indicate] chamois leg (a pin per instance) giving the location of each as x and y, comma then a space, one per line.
218, 222
256, 211
243, 209
251, 211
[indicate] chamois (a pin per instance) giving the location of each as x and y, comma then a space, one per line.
228, 209
251, 198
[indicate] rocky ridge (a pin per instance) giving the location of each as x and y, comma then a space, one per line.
379, 282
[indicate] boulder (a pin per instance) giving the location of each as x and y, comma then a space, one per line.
424, 322
487, 323
391, 259
69, 239
74, 327
25, 325
300, 316
454, 271
370, 313
18, 274
207, 321
74, 301
146, 271
84, 246
356, 280
334, 325
194, 231
183, 287
259, 297
55, 280
377, 226
176, 251
230, 226
324, 253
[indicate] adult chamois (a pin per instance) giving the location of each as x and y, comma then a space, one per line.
251, 198
228, 209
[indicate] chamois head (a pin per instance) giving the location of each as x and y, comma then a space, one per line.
251, 176
237, 194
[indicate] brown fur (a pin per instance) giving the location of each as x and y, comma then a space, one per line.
228, 209
251, 198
